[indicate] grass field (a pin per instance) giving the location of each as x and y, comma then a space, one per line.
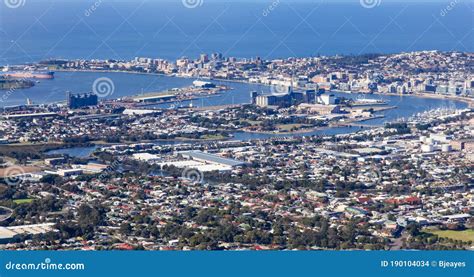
23, 201
466, 235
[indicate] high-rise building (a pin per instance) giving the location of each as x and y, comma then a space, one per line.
328, 99
283, 99
253, 97
76, 101
204, 58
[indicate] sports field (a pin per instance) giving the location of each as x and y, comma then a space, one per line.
465, 235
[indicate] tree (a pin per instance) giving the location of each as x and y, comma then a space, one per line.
126, 229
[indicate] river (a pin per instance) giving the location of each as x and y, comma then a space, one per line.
126, 84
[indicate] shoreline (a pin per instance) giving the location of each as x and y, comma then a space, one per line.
351, 123
467, 100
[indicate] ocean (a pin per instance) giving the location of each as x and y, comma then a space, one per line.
125, 29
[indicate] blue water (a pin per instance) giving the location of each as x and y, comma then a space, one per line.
78, 152
126, 84
48, 91
124, 29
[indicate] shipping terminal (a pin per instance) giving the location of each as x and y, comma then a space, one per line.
30, 74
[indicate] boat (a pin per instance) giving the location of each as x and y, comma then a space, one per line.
203, 84
368, 102
30, 74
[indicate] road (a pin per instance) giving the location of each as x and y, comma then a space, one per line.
5, 217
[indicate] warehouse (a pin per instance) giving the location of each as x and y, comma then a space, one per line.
210, 158
8, 233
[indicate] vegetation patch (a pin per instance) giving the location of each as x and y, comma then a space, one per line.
23, 201
465, 235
